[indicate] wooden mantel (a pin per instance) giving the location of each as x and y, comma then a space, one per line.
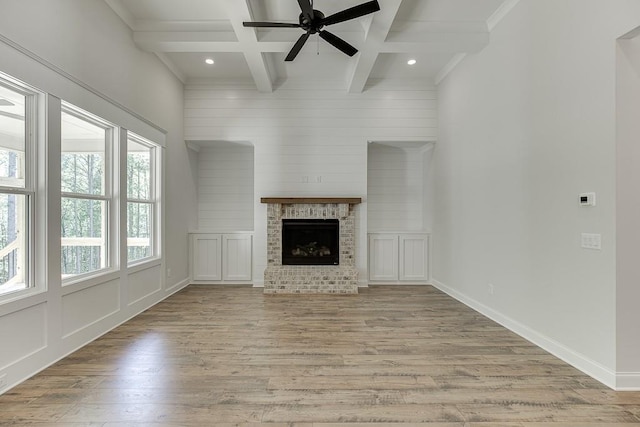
311, 200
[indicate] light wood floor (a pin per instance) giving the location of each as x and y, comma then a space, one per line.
222, 356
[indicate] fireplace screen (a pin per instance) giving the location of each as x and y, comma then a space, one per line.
310, 242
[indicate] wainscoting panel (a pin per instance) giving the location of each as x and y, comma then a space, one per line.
22, 333
83, 308
144, 283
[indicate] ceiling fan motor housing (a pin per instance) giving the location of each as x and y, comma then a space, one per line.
314, 25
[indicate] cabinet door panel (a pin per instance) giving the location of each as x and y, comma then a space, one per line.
237, 257
207, 257
383, 257
414, 257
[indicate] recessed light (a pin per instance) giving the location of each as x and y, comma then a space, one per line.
411, 62
209, 61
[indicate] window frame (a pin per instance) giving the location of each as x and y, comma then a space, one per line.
153, 201
33, 98
110, 259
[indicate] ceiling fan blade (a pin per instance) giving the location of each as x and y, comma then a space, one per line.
307, 9
338, 43
271, 24
352, 13
296, 47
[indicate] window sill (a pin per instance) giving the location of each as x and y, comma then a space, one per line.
85, 282
143, 265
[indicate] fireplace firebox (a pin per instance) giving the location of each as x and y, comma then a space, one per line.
310, 242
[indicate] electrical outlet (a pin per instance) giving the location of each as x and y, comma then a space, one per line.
3, 381
169, 273
591, 241
490, 288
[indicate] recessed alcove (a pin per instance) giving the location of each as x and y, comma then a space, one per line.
225, 182
399, 211
222, 242
399, 186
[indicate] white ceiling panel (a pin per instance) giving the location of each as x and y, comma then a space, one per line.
172, 10
227, 65
426, 67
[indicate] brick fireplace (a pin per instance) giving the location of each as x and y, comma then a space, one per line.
311, 279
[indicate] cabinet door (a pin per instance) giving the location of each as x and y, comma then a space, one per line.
383, 257
237, 253
207, 257
414, 257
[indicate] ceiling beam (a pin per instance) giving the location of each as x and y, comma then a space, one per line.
202, 41
376, 35
240, 11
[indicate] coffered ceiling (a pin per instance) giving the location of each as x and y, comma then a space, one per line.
436, 33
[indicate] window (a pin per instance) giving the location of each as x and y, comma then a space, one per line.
142, 190
17, 131
86, 192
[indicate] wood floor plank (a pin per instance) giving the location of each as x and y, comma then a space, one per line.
389, 356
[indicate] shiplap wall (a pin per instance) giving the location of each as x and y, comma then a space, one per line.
225, 187
395, 190
310, 138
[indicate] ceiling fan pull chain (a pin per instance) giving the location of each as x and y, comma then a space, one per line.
318, 44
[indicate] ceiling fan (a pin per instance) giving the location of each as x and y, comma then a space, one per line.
312, 21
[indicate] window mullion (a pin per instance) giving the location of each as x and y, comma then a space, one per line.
86, 196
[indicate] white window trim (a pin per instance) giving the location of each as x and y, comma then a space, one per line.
153, 200
110, 234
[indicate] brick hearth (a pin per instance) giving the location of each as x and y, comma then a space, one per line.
308, 279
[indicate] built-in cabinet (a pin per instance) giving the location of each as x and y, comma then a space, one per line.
221, 258
399, 257
222, 244
399, 210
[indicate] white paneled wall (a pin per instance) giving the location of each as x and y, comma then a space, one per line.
310, 138
395, 188
225, 187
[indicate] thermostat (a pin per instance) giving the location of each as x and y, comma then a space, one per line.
588, 199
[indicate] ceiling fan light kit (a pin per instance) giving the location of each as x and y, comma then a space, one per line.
313, 21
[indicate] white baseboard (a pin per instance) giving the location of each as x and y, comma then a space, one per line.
178, 286
258, 283
397, 283
628, 381
575, 359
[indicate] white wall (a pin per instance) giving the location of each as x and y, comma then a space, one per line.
80, 51
225, 187
526, 126
628, 212
309, 131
